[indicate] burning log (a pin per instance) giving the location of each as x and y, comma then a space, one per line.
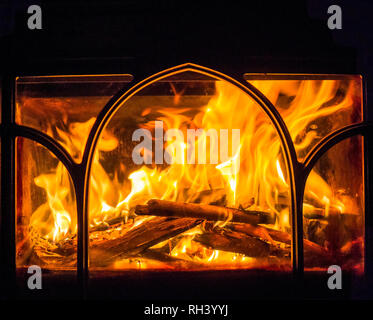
238, 242
244, 238
170, 261
108, 224
133, 241
203, 211
139, 238
280, 236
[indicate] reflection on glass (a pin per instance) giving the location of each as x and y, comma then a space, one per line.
333, 209
46, 225
65, 107
312, 106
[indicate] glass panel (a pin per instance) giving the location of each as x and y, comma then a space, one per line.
334, 209
147, 153
46, 219
312, 106
65, 107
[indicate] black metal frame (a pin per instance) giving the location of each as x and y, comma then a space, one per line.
80, 172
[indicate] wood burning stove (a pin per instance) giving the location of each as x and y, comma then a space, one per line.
101, 225
286, 195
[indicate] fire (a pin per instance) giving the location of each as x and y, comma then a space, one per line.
252, 177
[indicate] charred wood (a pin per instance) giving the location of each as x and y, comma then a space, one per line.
165, 208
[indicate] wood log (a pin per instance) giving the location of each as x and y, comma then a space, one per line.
238, 242
139, 238
129, 241
108, 224
313, 209
314, 255
203, 211
173, 262
280, 236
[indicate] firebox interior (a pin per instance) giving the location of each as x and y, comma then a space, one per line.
138, 213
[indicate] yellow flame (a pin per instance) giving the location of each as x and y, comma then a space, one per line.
279, 171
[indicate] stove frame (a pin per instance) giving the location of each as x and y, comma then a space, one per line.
298, 171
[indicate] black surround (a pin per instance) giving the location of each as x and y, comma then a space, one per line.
142, 38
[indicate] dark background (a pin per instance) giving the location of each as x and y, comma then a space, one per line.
250, 36
143, 37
